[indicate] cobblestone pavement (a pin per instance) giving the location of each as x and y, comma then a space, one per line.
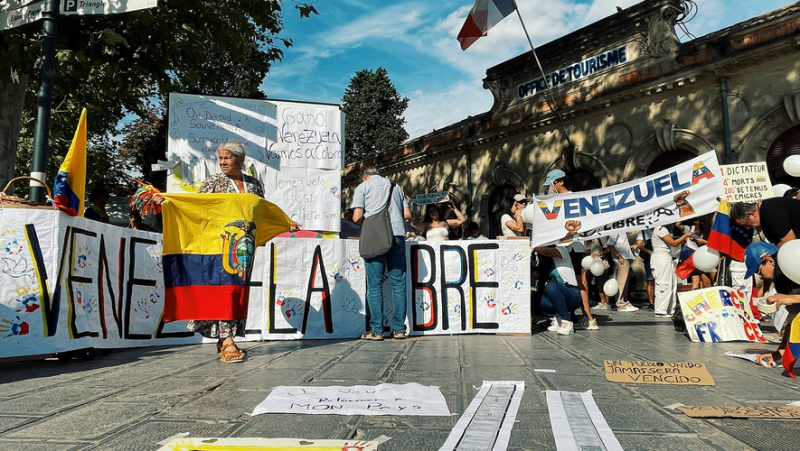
132, 399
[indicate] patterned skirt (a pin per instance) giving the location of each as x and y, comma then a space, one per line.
218, 329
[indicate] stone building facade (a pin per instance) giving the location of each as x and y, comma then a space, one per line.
634, 100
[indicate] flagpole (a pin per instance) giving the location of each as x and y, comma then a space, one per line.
554, 105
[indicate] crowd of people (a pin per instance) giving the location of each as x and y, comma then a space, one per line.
566, 278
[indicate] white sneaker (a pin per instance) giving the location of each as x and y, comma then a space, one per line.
566, 328
593, 325
629, 308
553, 325
601, 306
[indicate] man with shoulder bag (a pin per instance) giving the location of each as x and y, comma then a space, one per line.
380, 207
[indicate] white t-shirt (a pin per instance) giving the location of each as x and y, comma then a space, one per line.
621, 244
564, 267
479, 237
503, 223
659, 245
691, 244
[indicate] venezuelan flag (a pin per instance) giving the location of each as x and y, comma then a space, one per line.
685, 263
208, 251
792, 347
728, 237
69, 188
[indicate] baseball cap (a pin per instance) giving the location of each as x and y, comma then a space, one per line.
554, 175
520, 198
755, 254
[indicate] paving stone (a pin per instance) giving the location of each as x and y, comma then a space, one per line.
447, 383
40, 445
51, 400
634, 415
371, 357
223, 405
355, 370
268, 378
407, 439
296, 426
663, 442
85, 423
9, 422
146, 435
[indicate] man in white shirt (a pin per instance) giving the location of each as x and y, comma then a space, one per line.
474, 232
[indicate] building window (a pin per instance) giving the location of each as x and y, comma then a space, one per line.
669, 159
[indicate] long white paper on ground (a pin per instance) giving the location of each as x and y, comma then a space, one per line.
385, 399
578, 423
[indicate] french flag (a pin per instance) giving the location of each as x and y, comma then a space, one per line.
484, 15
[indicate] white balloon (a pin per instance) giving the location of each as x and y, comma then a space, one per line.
787, 260
611, 288
792, 165
780, 189
527, 214
597, 268
705, 259
586, 263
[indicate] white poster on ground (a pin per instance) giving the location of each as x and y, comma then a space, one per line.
385, 399
680, 193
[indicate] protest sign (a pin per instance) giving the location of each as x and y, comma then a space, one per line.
69, 283
746, 182
432, 198
719, 314
659, 373
680, 193
385, 399
780, 412
266, 444
309, 196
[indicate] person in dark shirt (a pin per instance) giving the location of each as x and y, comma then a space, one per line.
99, 198
778, 218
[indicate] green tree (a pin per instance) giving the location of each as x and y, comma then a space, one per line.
374, 115
117, 64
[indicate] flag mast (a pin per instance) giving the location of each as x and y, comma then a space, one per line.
554, 105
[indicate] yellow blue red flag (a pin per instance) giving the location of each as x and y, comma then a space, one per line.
208, 251
69, 188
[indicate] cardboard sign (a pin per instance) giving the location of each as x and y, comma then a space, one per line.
432, 198
747, 182
782, 412
719, 314
659, 373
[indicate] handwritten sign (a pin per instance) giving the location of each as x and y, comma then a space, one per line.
432, 198
309, 196
747, 182
385, 399
719, 314
658, 373
782, 412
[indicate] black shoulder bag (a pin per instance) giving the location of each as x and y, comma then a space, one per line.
377, 237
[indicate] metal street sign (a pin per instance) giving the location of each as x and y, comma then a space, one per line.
15, 13
95, 7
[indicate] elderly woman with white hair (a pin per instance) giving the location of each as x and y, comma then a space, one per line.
231, 180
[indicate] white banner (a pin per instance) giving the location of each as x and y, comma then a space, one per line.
95, 7
310, 196
746, 182
385, 399
682, 192
24, 12
69, 283
719, 314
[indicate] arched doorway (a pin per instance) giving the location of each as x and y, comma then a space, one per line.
669, 159
785, 145
493, 210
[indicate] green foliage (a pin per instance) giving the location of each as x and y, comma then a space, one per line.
374, 115
115, 64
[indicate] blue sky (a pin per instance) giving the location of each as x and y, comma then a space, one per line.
416, 42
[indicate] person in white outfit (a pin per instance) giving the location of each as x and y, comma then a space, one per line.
663, 270
623, 257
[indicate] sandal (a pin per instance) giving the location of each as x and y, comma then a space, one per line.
219, 349
231, 354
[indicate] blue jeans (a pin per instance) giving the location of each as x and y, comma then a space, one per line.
561, 299
395, 263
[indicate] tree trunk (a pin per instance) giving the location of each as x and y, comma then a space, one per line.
12, 101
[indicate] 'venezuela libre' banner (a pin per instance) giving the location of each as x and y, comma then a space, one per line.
682, 192
69, 283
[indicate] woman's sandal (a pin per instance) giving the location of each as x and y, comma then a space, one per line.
231, 354
219, 349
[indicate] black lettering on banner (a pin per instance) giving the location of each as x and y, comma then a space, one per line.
51, 311
456, 285
325, 290
474, 284
273, 293
416, 284
102, 270
133, 281
254, 283
41, 275
71, 278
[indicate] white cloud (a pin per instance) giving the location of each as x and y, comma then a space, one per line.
432, 110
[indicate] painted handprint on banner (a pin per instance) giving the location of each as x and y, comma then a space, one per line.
490, 300
13, 327
509, 309
282, 298
335, 274
89, 304
29, 301
353, 262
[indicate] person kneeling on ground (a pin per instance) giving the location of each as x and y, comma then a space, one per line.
561, 295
